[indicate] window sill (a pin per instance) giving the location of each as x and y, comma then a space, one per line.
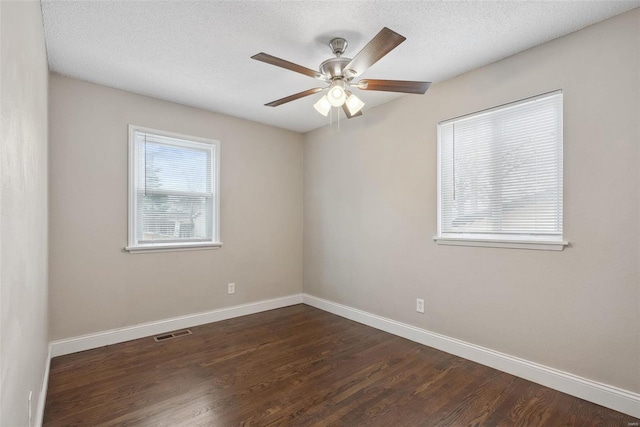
172, 248
502, 243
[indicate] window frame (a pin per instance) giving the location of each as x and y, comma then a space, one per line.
133, 245
499, 240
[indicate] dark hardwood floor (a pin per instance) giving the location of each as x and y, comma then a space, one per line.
298, 366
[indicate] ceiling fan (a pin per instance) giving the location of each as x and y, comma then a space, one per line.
339, 72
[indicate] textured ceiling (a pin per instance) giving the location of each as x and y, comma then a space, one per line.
198, 53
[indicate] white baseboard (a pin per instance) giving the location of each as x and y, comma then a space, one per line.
114, 336
42, 399
612, 397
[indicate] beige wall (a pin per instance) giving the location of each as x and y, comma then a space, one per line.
94, 284
370, 214
23, 210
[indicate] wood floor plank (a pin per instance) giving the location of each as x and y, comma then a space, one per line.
298, 366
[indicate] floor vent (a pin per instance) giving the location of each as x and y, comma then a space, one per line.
172, 335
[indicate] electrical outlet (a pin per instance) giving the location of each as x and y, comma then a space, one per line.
29, 406
420, 305
231, 288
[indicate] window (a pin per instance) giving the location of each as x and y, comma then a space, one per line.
500, 176
173, 191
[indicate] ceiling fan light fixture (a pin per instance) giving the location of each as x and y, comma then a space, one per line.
354, 104
322, 106
337, 95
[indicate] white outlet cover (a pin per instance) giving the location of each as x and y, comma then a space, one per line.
231, 289
420, 305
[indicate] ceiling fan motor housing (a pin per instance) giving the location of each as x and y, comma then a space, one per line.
334, 67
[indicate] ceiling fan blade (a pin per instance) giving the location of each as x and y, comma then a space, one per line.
394, 86
294, 97
270, 59
346, 111
384, 42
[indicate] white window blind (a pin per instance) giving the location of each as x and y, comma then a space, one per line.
500, 172
173, 190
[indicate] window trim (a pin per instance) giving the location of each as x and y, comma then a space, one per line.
539, 242
133, 246
502, 243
